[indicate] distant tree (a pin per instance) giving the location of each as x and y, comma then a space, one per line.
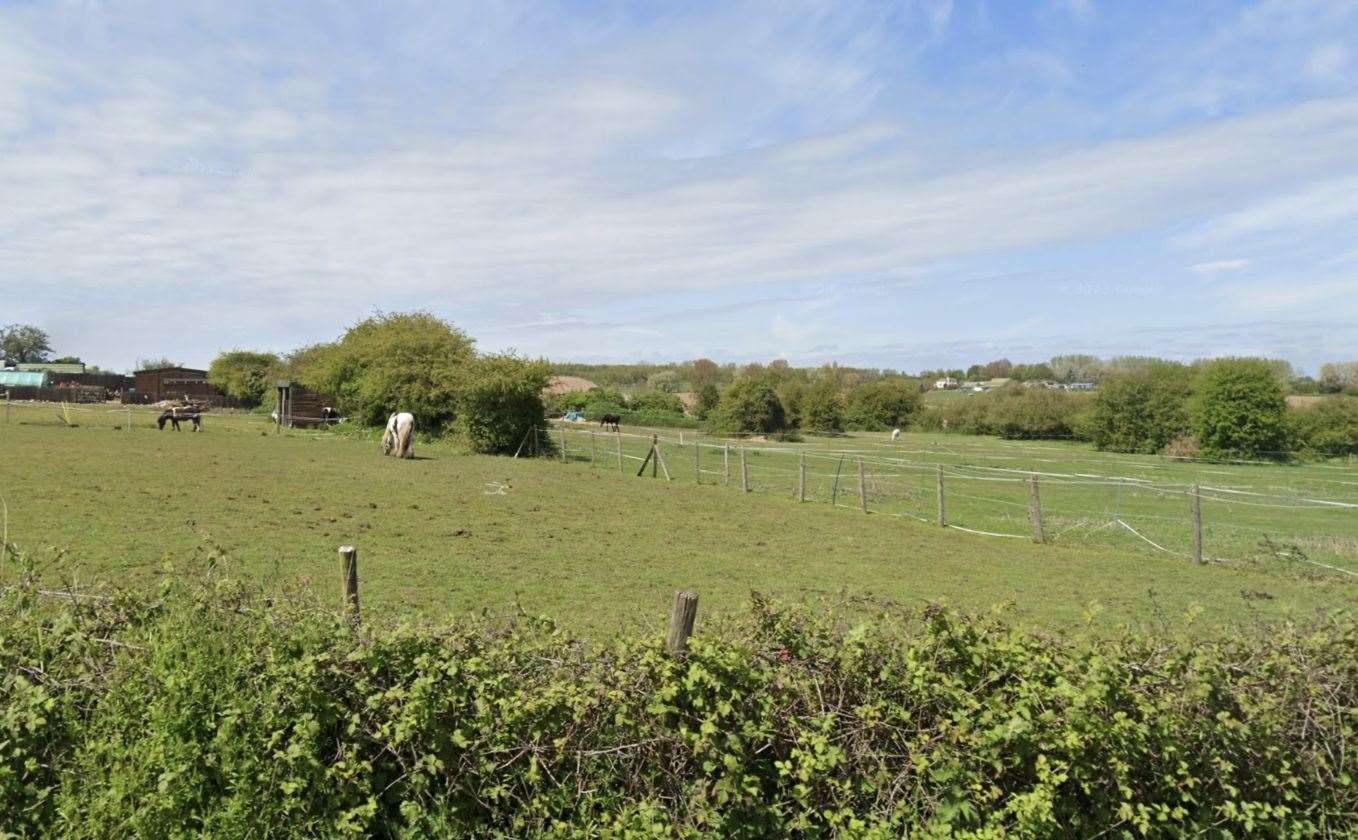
822, 408
975, 372
1338, 376
244, 374
1076, 367
790, 393
1329, 428
884, 405
23, 343
704, 372
998, 369
499, 400
750, 405
156, 363
665, 380
708, 398
1039, 372
1141, 411
67, 360
1239, 410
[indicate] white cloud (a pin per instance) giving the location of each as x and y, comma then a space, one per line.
1329, 62
1218, 266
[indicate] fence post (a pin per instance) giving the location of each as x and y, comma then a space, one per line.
655, 451
744, 472
1035, 508
349, 580
563, 443
862, 488
683, 615
942, 516
7, 408
801, 477
1197, 525
726, 464
618, 436
591, 447
697, 463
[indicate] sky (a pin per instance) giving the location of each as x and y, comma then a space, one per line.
892, 184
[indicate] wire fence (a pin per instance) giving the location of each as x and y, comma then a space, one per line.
1237, 518
127, 417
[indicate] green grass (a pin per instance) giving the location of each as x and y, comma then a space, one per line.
598, 549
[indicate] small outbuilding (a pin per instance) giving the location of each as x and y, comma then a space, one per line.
298, 407
174, 383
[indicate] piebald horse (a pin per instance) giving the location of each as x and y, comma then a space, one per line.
399, 438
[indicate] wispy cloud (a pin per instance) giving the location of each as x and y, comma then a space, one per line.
276, 172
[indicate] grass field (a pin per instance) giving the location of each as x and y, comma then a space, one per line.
601, 549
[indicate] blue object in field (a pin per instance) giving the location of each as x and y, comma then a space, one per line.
575, 416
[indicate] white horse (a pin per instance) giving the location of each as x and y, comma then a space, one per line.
895, 434
399, 438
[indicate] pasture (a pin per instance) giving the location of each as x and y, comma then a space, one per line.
602, 550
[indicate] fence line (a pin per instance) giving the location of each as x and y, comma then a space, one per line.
1155, 514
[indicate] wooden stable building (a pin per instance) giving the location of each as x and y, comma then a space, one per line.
299, 408
174, 383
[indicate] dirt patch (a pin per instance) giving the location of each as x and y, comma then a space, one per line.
566, 384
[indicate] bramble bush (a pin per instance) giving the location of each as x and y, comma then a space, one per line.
211, 710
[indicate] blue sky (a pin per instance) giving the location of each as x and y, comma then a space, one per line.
902, 184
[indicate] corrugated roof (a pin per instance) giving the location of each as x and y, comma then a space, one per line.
23, 378
53, 367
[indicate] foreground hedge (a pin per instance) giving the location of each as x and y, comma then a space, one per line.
210, 711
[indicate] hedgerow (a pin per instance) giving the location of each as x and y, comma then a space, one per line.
212, 710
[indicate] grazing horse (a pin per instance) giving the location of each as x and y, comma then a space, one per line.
610, 420
895, 434
195, 418
399, 438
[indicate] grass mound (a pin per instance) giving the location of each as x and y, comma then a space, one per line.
214, 709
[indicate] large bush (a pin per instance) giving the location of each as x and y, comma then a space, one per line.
212, 712
1142, 410
882, 406
402, 362
1239, 410
245, 375
822, 408
500, 402
750, 405
1329, 428
656, 401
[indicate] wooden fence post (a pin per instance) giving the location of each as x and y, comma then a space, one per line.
801, 477
618, 436
1197, 525
563, 443
591, 447
862, 488
834, 491
655, 451
349, 580
726, 464
744, 472
682, 617
1035, 508
7, 408
697, 463
942, 515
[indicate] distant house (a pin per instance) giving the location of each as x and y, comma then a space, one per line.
76, 368
947, 383
174, 383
